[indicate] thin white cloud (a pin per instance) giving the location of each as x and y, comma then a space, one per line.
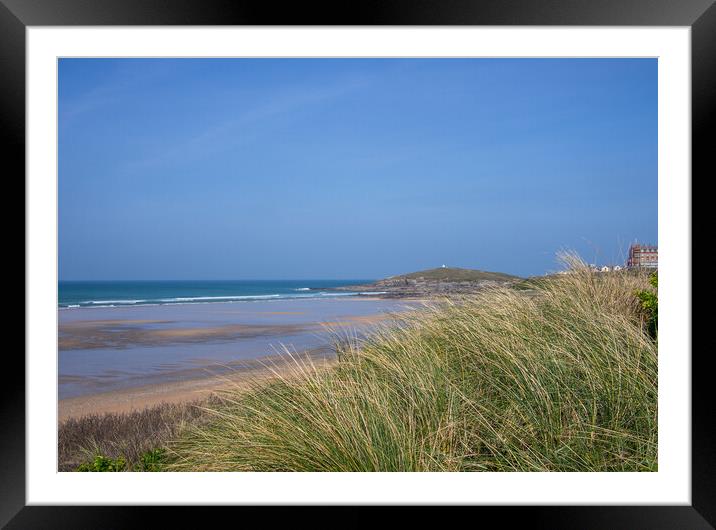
112, 89
213, 139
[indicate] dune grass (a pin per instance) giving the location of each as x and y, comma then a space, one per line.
123, 437
565, 380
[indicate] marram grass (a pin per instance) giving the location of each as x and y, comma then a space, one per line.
560, 379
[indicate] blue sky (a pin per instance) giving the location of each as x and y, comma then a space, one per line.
351, 168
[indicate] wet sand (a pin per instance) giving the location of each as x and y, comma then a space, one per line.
240, 377
122, 359
123, 333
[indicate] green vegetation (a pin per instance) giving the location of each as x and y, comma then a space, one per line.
564, 380
149, 461
455, 274
650, 304
102, 463
152, 460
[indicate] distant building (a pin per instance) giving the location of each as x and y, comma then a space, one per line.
643, 256
605, 268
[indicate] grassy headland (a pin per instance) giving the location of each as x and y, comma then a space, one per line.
443, 281
565, 380
456, 274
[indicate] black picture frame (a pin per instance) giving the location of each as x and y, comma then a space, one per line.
699, 15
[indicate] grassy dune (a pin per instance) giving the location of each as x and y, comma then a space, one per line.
565, 380
125, 436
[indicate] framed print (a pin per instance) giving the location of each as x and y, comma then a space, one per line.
408, 257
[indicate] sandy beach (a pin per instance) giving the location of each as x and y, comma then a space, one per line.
239, 377
125, 359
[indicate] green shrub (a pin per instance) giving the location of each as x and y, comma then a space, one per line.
102, 463
650, 305
149, 461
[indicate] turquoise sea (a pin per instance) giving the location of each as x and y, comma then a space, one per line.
75, 294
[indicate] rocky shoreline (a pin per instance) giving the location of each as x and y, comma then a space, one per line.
435, 282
